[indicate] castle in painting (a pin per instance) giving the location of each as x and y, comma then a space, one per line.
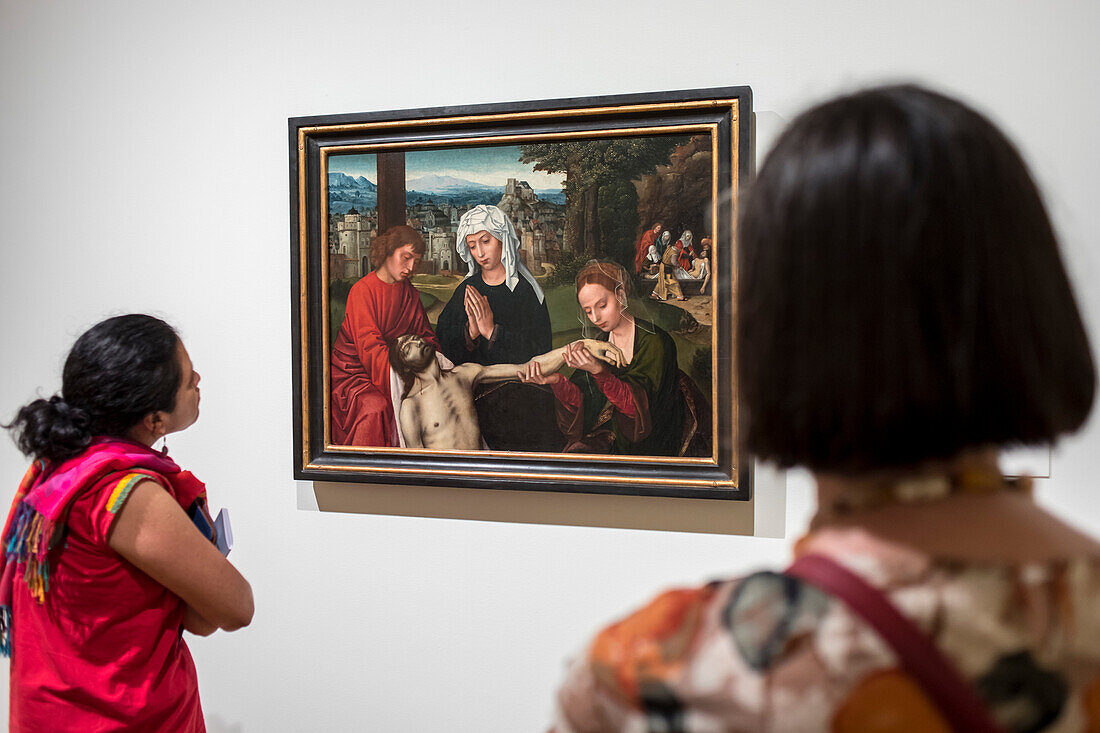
540, 225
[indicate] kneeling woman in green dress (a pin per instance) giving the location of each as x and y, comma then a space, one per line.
638, 409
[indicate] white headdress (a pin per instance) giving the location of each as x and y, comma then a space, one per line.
485, 218
685, 239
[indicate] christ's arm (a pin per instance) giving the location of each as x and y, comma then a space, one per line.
550, 362
410, 424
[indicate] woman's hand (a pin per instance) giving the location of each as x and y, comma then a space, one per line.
471, 314
533, 375
578, 356
478, 314
605, 351
471, 325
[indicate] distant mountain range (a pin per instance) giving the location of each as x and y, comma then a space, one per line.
447, 184
347, 191
343, 180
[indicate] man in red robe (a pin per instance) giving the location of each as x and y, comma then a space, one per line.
381, 306
648, 238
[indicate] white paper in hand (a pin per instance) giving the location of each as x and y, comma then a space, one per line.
225, 532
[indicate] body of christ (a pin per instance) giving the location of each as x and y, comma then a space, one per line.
437, 408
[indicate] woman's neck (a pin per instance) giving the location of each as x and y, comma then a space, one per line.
495, 276
840, 490
140, 434
624, 330
960, 510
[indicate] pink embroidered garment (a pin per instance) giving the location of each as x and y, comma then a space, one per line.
96, 644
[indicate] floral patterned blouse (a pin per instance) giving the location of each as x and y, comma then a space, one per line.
763, 653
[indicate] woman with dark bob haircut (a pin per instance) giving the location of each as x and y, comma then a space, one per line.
103, 568
904, 316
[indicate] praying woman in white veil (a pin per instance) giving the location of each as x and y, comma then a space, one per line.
497, 315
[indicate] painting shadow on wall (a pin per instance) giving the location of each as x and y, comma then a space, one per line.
708, 516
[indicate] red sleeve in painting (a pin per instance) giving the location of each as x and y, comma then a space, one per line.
617, 393
376, 313
567, 393
683, 257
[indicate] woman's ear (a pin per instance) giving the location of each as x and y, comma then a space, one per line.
154, 423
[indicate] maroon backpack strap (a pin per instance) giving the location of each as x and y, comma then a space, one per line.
955, 698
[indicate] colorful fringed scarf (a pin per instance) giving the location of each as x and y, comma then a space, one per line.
38, 513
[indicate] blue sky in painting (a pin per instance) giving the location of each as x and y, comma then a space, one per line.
491, 166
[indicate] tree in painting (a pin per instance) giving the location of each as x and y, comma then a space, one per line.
594, 168
679, 192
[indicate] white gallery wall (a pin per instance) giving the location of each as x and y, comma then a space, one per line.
143, 167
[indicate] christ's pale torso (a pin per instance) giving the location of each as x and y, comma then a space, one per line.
443, 409
438, 413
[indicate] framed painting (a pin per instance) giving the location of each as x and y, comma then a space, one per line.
535, 296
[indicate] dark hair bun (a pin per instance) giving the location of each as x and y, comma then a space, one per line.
117, 372
52, 429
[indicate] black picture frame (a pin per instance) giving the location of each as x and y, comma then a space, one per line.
725, 113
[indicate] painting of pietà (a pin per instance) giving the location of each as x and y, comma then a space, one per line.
548, 297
